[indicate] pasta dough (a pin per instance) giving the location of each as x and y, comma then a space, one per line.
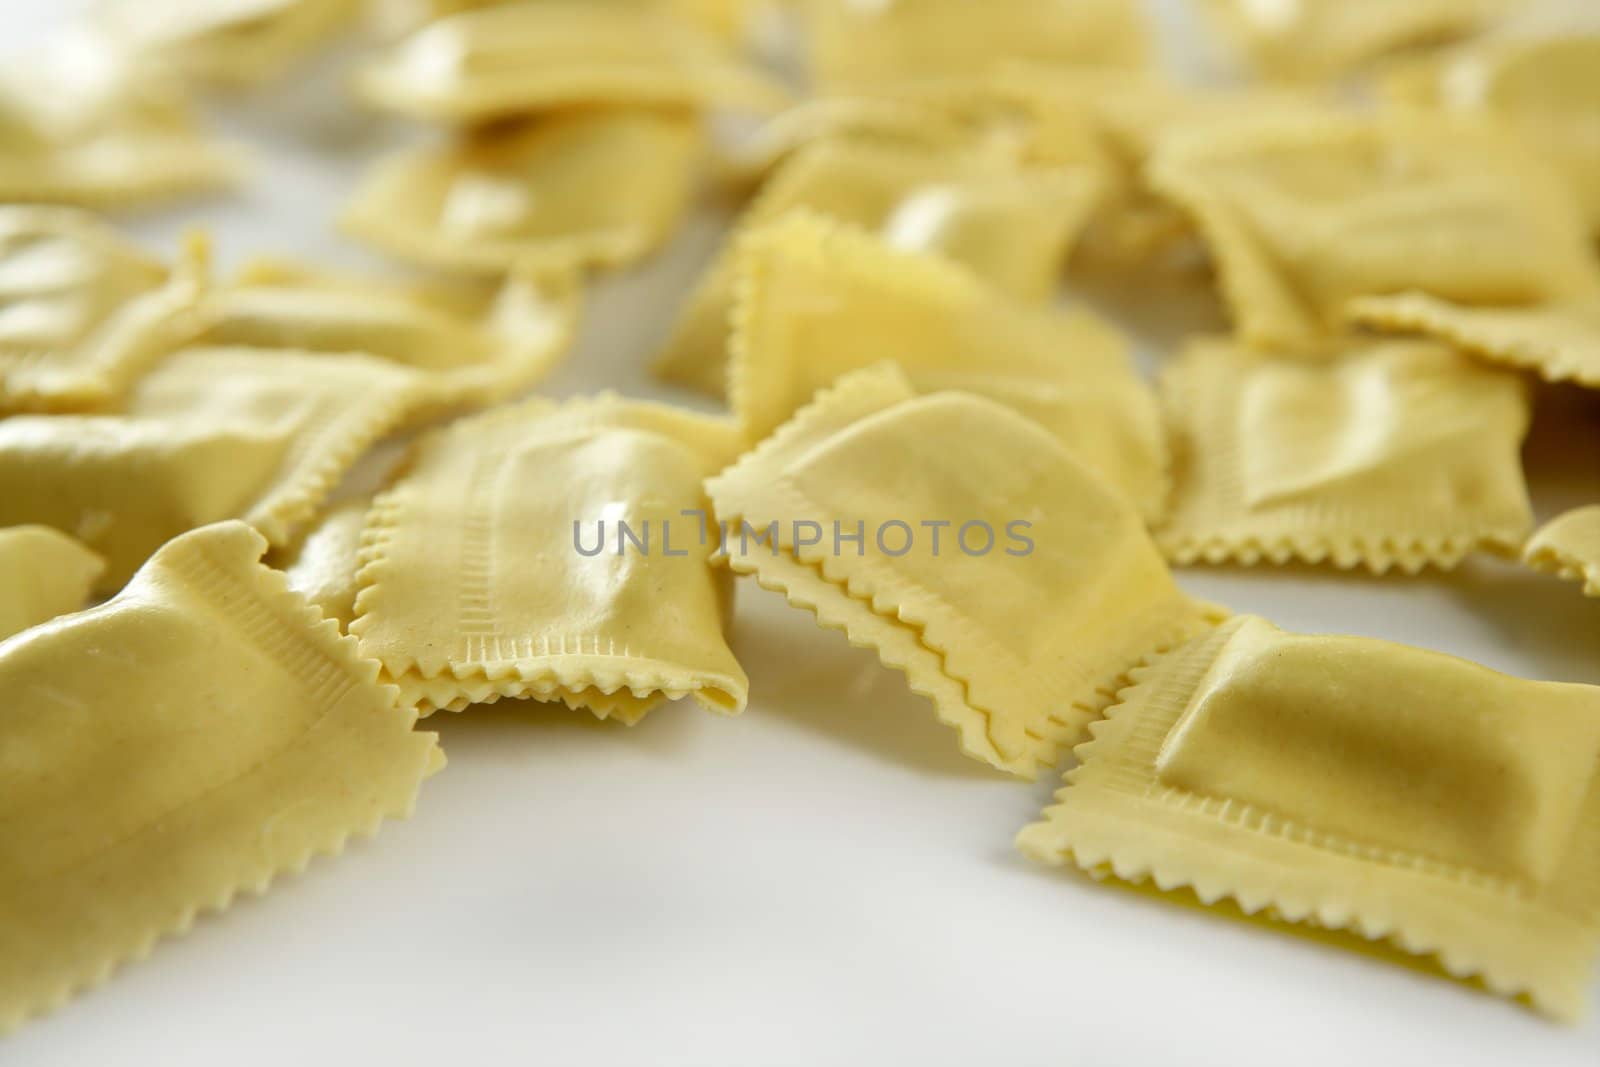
322, 567
1302, 219
43, 573
466, 347
863, 46
552, 194
1386, 455
1559, 342
483, 576
1544, 86
726, 18
511, 61
212, 434
83, 123
1355, 785
1568, 546
1303, 40
1012, 225
198, 735
820, 299
82, 312
1130, 117
870, 119
1011, 585
226, 42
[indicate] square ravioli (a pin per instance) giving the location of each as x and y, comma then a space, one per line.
818, 299
860, 46
1542, 84
467, 346
529, 552
83, 123
210, 434
82, 311
1304, 218
43, 573
1012, 224
223, 42
1301, 40
194, 738
522, 59
562, 192
1355, 785
960, 541
1388, 454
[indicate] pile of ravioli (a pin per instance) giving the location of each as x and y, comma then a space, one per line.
1397, 204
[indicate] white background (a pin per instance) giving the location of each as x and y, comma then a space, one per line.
822, 881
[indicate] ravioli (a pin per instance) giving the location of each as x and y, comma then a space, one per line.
195, 737
820, 299
83, 123
498, 565
1355, 785
554, 194
1383, 455
860, 511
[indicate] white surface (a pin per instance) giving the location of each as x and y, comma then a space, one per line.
822, 881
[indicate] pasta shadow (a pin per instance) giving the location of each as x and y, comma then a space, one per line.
813, 678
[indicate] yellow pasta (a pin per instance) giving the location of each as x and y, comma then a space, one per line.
1135, 112
729, 19
841, 118
82, 312
193, 738
322, 566
1018, 110
467, 347
1302, 40
510, 61
1131, 116
1568, 546
923, 447
1304, 218
1559, 342
43, 573
225, 42
498, 565
1012, 108
861, 511
82, 123
1396, 454
820, 299
1013, 225
211, 434
725, 18
1355, 785
552, 194
864, 45
1543, 85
